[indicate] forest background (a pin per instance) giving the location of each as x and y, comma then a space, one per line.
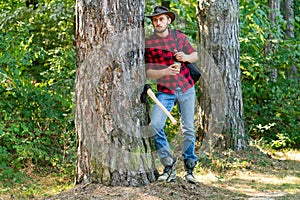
37, 74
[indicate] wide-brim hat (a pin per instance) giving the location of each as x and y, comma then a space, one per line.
159, 10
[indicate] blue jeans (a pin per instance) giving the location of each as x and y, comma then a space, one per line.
186, 106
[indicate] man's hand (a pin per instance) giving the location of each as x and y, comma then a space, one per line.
182, 57
171, 70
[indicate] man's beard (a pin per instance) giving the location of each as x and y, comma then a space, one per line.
161, 31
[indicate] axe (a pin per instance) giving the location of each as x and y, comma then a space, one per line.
147, 90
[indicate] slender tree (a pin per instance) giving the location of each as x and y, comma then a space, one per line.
221, 105
113, 146
288, 10
274, 10
289, 16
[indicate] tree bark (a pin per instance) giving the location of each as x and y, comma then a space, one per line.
113, 138
274, 9
221, 107
288, 7
288, 10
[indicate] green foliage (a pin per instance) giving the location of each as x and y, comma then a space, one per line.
225, 160
37, 71
271, 108
31, 37
186, 17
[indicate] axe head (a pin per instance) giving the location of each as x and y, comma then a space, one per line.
144, 100
144, 96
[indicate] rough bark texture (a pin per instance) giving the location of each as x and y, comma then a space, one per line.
288, 7
221, 106
113, 138
288, 10
274, 9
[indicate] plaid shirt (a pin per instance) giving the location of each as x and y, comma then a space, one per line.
159, 54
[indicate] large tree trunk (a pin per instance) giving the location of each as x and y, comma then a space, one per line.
113, 140
221, 106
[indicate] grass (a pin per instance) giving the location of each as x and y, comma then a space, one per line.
254, 173
36, 185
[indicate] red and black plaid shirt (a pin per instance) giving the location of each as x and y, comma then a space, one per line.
159, 54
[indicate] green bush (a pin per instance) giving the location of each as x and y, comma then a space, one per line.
272, 107
37, 72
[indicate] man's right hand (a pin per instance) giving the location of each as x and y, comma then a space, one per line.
155, 74
172, 70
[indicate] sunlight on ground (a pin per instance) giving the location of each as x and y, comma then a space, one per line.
258, 184
271, 176
293, 155
207, 178
268, 179
253, 184
263, 183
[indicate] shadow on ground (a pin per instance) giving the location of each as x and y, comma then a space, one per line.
260, 176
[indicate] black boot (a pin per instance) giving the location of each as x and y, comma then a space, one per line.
189, 168
169, 173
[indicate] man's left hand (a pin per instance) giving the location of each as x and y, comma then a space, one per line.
180, 56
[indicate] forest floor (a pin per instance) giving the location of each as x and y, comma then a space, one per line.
251, 174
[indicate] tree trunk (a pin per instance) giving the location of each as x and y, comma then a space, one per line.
288, 10
274, 9
288, 7
221, 108
113, 138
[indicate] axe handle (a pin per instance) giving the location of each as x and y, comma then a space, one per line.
153, 97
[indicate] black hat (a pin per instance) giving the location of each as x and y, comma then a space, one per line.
158, 10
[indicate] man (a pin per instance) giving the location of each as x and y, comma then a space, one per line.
173, 85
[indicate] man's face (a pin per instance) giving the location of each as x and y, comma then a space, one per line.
161, 23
